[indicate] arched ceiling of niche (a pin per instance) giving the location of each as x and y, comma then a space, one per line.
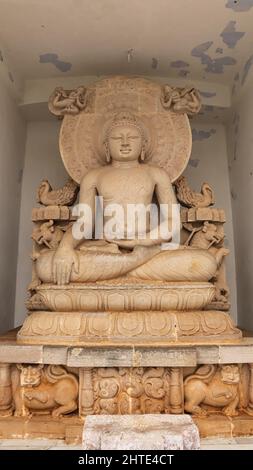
196, 39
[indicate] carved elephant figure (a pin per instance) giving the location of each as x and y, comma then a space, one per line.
43, 389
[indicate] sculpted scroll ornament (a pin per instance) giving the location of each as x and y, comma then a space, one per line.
133, 391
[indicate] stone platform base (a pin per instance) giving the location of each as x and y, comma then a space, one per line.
97, 379
142, 327
135, 432
70, 428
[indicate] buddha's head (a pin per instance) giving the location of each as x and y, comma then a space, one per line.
125, 139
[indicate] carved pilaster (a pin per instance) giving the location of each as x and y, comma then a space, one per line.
5, 390
86, 396
176, 395
250, 405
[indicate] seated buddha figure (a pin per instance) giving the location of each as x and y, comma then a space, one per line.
126, 180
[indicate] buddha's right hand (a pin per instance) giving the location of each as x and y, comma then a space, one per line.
65, 259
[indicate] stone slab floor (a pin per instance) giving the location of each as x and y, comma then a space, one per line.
238, 443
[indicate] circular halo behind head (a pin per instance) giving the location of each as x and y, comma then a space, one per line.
135, 101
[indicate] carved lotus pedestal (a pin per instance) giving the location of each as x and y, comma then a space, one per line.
135, 313
140, 327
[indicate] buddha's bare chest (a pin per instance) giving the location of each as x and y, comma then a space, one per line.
126, 186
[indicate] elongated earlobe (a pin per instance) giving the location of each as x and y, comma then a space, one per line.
107, 154
143, 154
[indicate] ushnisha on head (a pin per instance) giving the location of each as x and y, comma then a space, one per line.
125, 138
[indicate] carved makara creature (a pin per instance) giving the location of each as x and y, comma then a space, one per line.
210, 236
47, 234
217, 386
71, 102
43, 389
205, 236
64, 196
181, 100
190, 198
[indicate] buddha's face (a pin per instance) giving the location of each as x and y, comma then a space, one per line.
125, 143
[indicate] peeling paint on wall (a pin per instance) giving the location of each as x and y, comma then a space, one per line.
239, 5
199, 50
183, 73
52, 58
212, 65
194, 162
207, 94
179, 64
246, 69
219, 50
230, 36
154, 63
202, 135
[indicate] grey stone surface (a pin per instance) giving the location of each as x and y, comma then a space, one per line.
176, 355
140, 432
210, 443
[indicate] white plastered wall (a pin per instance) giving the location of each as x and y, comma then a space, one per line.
12, 146
209, 163
42, 160
240, 152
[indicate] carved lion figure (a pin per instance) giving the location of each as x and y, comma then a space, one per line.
43, 389
217, 386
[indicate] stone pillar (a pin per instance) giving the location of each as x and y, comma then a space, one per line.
86, 396
176, 395
5, 390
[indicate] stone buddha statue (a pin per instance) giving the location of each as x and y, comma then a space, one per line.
113, 272
126, 181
